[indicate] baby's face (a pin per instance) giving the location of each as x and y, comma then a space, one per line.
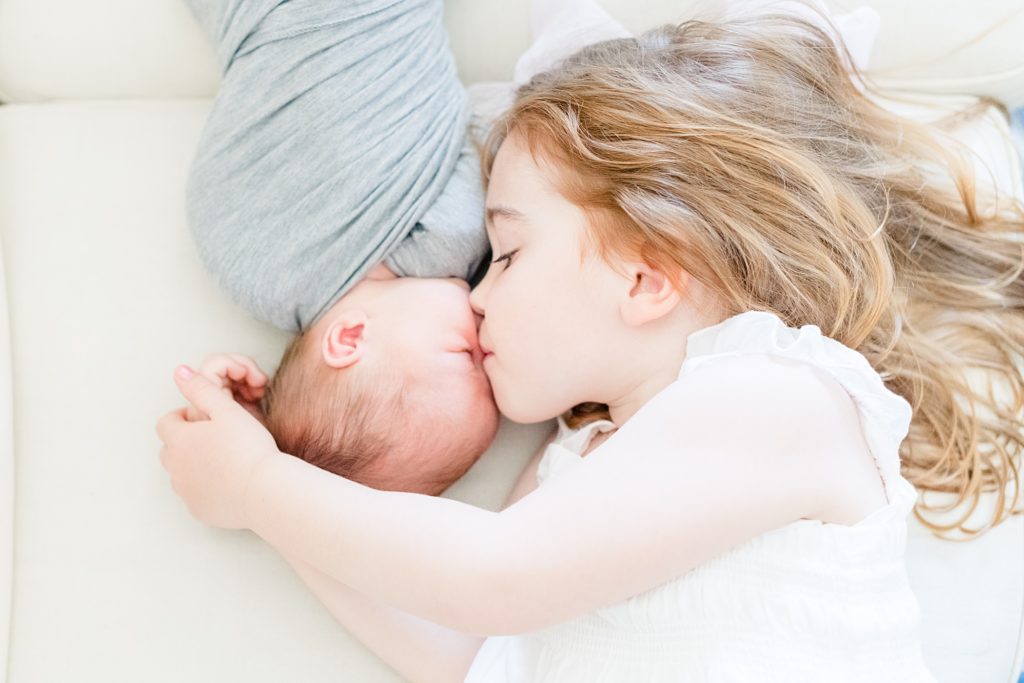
430, 331
426, 330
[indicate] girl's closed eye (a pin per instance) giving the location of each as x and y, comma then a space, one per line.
507, 256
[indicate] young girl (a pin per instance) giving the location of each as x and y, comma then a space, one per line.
711, 249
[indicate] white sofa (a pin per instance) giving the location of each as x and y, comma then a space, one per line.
103, 575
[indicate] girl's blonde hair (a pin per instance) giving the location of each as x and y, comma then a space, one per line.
742, 152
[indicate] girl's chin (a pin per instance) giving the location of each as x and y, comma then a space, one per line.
516, 411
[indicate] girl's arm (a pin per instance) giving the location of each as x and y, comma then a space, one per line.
420, 651
741, 446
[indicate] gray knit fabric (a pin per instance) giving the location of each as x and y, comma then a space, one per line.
338, 140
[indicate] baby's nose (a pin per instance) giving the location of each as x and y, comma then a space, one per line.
460, 282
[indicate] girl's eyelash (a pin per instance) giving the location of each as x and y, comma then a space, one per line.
507, 256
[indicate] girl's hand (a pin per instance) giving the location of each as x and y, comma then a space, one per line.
238, 376
211, 461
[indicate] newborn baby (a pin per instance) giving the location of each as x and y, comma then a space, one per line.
387, 388
336, 194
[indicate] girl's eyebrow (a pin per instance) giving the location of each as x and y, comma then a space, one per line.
505, 212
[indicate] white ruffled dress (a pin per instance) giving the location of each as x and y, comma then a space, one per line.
811, 601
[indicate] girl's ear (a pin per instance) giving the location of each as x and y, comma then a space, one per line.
343, 344
652, 295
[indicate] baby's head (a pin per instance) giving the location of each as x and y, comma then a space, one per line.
386, 388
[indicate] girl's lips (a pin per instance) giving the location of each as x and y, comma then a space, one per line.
478, 355
484, 352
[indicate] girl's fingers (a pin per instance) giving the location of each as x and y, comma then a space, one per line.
257, 377
237, 372
234, 370
244, 370
251, 394
238, 377
167, 425
192, 414
209, 397
244, 385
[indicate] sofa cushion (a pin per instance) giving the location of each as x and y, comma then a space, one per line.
68, 49
113, 578
6, 470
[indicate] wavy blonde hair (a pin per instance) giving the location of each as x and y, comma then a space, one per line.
742, 152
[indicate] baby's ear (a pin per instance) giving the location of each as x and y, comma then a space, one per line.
343, 343
651, 296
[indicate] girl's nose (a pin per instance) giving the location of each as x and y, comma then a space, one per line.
476, 301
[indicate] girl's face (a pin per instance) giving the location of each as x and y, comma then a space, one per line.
550, 322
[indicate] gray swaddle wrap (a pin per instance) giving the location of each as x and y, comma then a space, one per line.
338, 140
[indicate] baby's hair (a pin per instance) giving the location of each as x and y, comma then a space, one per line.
742, 152
340, 431
360, 424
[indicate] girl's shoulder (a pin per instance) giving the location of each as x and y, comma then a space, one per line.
870, 420
780, 384
764, 333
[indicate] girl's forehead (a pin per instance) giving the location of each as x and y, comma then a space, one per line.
519, 183
519, 153
500, 219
